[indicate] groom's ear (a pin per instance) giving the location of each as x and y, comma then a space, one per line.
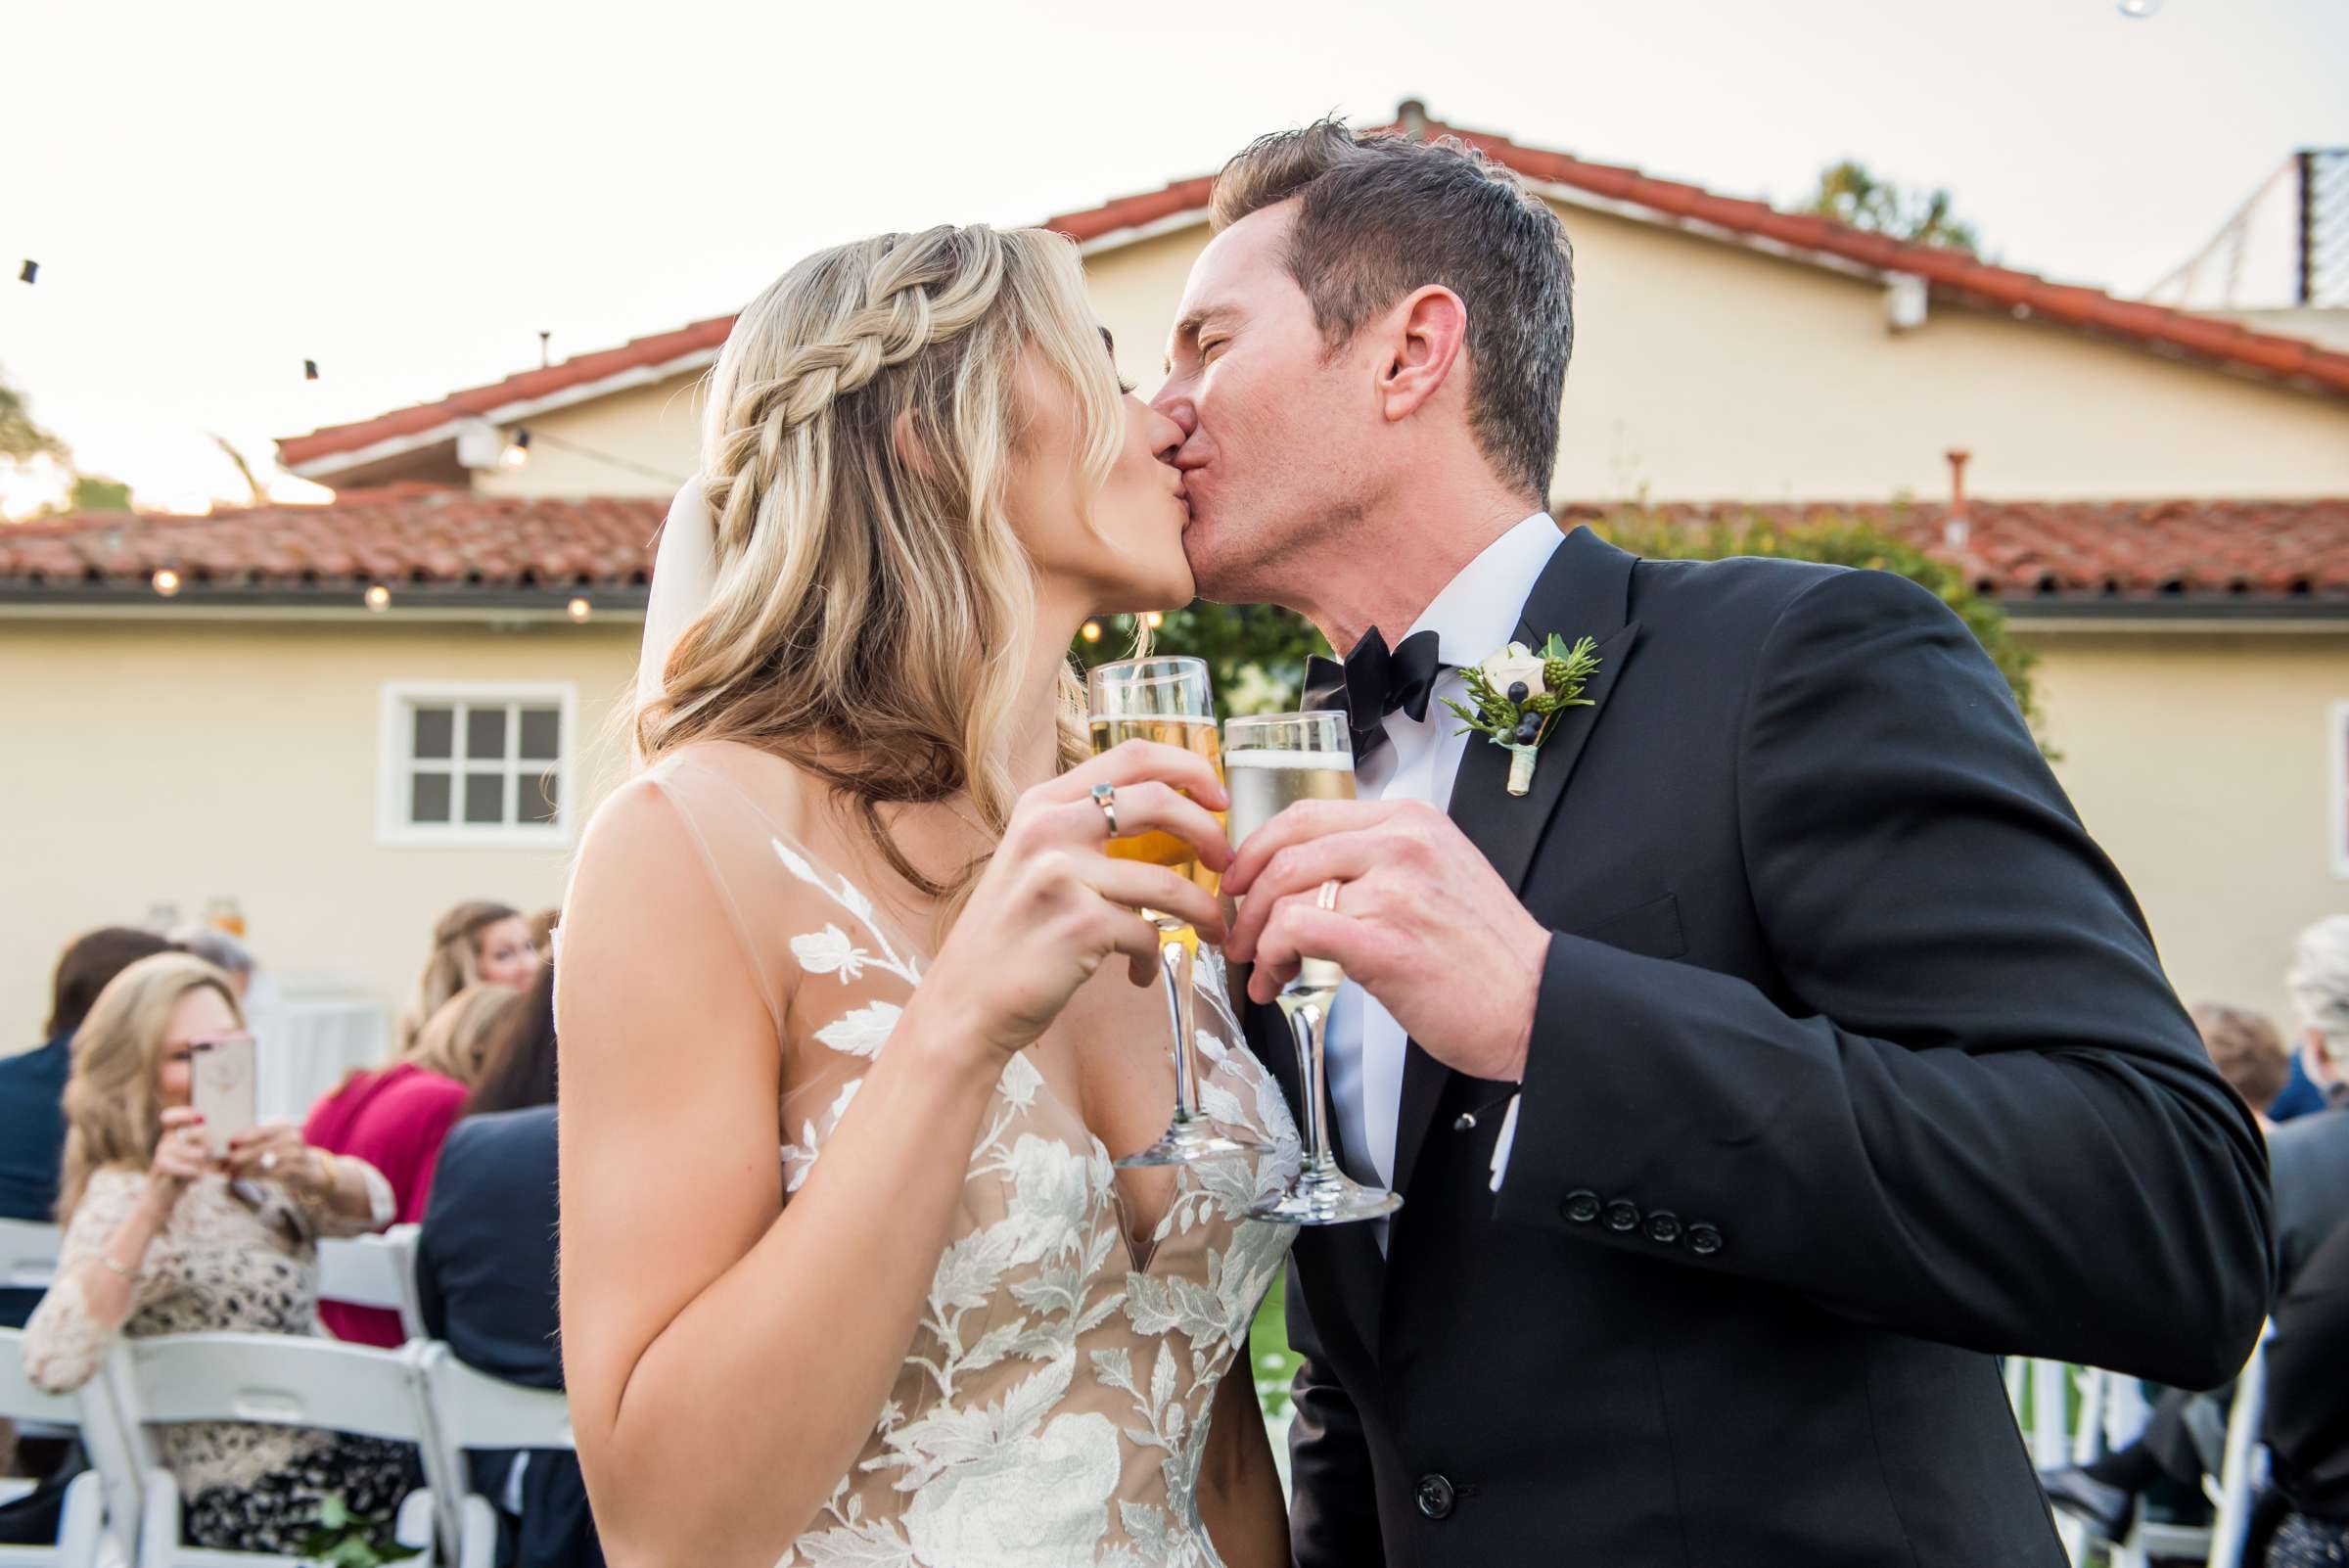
1425, 336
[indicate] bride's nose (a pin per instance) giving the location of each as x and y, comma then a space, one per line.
1165, 436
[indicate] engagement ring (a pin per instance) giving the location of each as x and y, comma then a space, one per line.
269, 1161
1105, 795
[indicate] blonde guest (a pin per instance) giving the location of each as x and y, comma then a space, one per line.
396, 1116
477, 942
161, 1237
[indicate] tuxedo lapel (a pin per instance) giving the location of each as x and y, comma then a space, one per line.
1584, 591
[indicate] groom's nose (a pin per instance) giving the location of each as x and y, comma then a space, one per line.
1174, 402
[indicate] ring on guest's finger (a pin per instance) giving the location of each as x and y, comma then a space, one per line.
1105, 795
269, 1161
1326, 900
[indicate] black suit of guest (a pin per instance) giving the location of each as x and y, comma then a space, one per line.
486, 1272
1853, 1067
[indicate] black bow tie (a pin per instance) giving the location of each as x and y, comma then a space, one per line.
1373, 683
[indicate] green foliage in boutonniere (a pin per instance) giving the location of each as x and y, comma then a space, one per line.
1519, 694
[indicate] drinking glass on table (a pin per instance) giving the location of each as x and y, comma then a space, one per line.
1169, 701
1271, 762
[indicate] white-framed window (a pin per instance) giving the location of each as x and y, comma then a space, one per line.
476, 763
2337, 741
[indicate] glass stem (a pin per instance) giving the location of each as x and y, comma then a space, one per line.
1308, 1013
1174, 963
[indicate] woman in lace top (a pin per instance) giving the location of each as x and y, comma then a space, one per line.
164, 1237
855, 1012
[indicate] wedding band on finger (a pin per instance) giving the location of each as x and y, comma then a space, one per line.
1105, 795
1326, 900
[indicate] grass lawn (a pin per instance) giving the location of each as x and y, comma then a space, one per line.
1269, 1349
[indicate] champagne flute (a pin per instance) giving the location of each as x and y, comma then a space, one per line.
1270, 762
1167, 700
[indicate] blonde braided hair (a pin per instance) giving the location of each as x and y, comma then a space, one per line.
873, 608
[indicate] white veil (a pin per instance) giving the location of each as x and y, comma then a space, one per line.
684, 572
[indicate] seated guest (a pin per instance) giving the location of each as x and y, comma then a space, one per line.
161, 1237
221, 950
542, 932
2248, 1051
477, 942
32, 1085
396, 1117
486, 1272
2308, 1411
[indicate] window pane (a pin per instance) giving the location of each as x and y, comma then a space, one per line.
540, 793
541, 735
484, 735
486, 796
428, 797
435, 732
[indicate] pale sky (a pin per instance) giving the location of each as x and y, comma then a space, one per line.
408, 194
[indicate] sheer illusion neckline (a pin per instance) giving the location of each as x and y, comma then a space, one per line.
919, 957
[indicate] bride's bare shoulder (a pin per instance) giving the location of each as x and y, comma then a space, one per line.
715, 788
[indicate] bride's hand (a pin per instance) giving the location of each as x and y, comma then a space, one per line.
1052, 908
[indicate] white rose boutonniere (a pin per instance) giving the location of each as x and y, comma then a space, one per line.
1519, 694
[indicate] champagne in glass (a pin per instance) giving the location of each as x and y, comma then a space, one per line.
1270, 762
1169, 701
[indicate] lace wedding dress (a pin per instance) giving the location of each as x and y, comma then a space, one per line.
1053, 1407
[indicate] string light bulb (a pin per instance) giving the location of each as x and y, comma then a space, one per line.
1090, 631
1154, 619
2139, 10
31, 270
378, 597
167, 581
581, 609
518, 448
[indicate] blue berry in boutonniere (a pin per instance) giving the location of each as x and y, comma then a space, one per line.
1518, 695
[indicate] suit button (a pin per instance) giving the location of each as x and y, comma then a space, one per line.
1623, 1215
1664, 1227
1582, 1207
1704, 1241
1437, 1495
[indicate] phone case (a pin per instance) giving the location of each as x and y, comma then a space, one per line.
223, 1092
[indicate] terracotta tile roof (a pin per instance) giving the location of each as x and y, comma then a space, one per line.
405, 536
2195, 551
428, 537
1953, 272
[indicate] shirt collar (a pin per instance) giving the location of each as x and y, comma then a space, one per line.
1477, 611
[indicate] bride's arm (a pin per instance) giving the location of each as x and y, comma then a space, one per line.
726, 1355
1239, 1487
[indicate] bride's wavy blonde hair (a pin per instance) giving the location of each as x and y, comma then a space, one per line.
873, 610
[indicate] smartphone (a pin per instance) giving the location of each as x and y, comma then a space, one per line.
222, 1090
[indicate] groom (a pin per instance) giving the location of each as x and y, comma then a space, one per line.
1782, 1055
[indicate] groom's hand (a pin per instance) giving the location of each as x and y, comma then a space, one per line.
1423, 923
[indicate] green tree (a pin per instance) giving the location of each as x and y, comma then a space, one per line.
1837, 541
1849, 194
21, 439
1256, 653
24, 443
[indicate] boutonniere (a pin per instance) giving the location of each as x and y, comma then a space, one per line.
1519, 694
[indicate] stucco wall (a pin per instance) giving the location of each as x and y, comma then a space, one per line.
2201, 763
572, 450
176, 764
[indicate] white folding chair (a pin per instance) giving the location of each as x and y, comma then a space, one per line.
378, 1270
277, 1380
28, 1251
2243, 1462
83, 1524
472, 1411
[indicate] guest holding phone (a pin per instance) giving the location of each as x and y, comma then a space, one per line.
165, 1236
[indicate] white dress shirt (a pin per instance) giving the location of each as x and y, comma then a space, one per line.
1473, 618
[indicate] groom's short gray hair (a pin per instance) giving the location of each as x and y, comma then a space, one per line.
1382, 215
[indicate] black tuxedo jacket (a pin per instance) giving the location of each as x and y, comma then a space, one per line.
485, 1273
1853, 1066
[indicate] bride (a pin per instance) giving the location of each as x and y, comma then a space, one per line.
856, 1013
